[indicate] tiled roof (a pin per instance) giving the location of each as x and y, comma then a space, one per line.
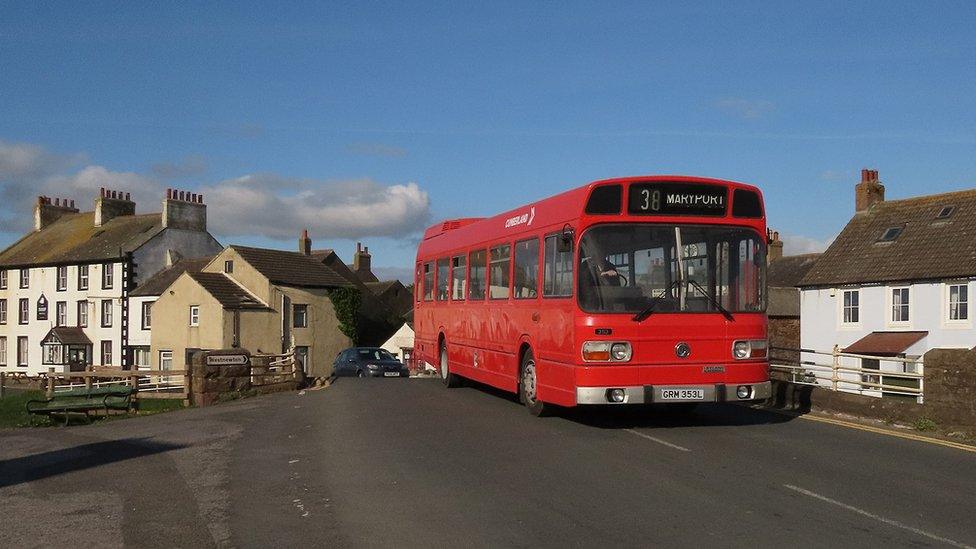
787, 271
885, 343
927, 248
163, 279
69, 335
379, 288
291, 268
74, 238
229, 293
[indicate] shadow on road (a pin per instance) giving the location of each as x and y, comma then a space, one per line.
68, 460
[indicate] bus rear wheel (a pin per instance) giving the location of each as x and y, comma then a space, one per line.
450, 380
528, 387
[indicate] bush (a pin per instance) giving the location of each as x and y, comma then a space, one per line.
924, 424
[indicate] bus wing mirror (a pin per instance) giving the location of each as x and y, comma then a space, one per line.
564, 244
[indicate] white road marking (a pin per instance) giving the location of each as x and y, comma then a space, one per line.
657, 440
884, 520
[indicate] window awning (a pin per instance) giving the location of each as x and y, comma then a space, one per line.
885, 343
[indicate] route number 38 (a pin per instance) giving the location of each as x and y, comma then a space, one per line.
651, 200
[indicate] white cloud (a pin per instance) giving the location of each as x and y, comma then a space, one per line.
798, 244
20, 161
749, 109
276, 207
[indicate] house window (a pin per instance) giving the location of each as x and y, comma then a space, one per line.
890, 234
24, 310
24, 278
106, 353
140, 356
82, 277
228, 266
62, 279
958, 302
108, 276
194, 315
899, 305
106, 313
3, 280
61, 313
83, 314
945, 212
459, 277
147, 315
300, 316
52, 354
870, 364
3, 350
852, 309
22, 351
3, 311
165, 360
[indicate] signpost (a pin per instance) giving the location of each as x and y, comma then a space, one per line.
227, 360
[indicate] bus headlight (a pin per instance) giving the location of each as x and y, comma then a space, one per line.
607, 351
749, 348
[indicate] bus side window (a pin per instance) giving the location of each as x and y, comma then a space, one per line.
498, 275
442, 278
428, 281
459, 278
417, 283
527, 269
478, 279
558, 276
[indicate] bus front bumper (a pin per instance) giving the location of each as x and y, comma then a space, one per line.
664, 394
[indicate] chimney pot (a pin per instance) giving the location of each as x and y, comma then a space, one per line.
200, 196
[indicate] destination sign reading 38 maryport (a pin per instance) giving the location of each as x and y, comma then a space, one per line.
676, 199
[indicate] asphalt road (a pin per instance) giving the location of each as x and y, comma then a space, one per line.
408, 463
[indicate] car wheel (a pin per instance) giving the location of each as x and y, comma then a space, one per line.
528, 387
360, 373
450, 380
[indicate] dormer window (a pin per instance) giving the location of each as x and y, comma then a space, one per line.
890, 234
945, 212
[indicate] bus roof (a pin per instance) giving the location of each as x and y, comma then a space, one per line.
554, 210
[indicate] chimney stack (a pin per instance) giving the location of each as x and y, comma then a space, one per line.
305, 243
184, 210
775, 247
361, 262
112, 204
869, 191
47, 211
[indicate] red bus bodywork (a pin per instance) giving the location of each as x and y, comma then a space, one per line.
486, 339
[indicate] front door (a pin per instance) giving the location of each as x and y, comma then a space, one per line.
301, 355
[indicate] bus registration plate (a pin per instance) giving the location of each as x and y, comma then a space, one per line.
682, 394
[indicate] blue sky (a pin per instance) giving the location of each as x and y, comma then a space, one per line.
372, 120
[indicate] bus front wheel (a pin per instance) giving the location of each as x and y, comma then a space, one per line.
450, 380
528, 386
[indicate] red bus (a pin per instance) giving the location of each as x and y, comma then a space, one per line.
623, 291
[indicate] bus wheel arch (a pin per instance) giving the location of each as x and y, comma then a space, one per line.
528, 384
449, 378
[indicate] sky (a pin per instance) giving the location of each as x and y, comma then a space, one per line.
367, 121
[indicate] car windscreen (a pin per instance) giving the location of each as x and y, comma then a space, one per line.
375, 354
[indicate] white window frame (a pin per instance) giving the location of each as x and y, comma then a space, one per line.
62, 278
165, 360
61, 313
82, 307
106, 313
147, 315
890, 302
23, 351
3, 350
101, 352
3, 279
23, 313
294, 315
108, 276
947, 319
83, 281
24, 279
843, 307
194, 315
3, 311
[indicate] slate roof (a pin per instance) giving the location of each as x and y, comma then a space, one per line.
163, 279
291, 268
74, 238
927, 249
228, 293
787, 271
69, 335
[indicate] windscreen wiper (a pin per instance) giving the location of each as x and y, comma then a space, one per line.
723, 310
639, 317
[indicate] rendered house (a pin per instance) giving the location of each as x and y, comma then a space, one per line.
76, 269
265, 301
896, 282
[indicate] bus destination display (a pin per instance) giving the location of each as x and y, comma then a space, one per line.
676, 199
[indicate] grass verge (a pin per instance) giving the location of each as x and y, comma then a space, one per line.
13, 411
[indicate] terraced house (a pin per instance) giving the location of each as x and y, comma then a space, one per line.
65, 286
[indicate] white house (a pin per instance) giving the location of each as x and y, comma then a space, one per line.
896, 281
400, 344
64, 287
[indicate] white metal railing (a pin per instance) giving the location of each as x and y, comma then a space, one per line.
839, 377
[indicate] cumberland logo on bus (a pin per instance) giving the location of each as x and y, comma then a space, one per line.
524, 219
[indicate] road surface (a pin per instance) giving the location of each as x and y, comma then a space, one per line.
408, 463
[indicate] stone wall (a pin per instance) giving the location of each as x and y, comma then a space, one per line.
784, 332
949, 387
212, 383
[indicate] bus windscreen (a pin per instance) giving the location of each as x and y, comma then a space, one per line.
679, 268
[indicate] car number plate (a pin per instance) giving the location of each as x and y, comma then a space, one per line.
391, 374
682, 394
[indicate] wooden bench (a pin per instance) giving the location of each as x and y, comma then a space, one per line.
83, 401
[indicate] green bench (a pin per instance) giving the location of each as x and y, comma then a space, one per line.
83, 401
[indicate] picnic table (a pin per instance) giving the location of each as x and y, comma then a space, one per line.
83, 401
